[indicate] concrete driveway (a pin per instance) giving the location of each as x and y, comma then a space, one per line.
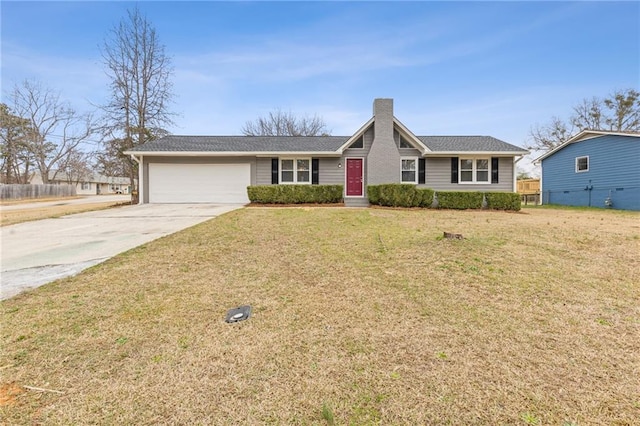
39, 252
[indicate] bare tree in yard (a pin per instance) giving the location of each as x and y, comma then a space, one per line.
15, 159
619, 112
279, 123
52, 129
141, 90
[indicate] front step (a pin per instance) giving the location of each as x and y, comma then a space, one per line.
356, 202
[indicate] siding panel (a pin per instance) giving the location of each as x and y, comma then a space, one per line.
614, 170
438, 176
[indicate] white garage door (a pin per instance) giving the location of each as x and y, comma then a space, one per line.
199, 183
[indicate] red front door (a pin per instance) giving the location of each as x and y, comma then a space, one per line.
354, 177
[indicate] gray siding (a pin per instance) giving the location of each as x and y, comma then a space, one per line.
192, 160
330, 173
438, 176
263, 171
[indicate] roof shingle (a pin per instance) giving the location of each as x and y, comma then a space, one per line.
256, 144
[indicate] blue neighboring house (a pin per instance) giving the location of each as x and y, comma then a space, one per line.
594, 168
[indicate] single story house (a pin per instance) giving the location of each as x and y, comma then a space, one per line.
594, 168
192, 169
93, 184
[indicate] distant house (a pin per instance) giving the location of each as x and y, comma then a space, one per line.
593, 168
94, 184
205, 169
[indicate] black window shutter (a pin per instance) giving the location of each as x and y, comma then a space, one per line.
421, 170
454, 169
494, 169
274, 171
315, 171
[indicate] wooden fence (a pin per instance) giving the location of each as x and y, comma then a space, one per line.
14, 191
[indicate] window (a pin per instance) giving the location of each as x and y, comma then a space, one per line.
295, 170
358, 143
409, 167
582, 164
474, 170
86, 185
404, 143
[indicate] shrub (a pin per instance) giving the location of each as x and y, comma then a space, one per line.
295, 194
503, 201
399, 195
373, 193
459, 200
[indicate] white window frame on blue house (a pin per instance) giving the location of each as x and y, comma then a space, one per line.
474, 170
578, 170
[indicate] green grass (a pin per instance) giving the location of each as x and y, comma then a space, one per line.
360, 316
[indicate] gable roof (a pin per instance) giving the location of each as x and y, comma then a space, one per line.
584, 135
241, 145
469, 144
324, 145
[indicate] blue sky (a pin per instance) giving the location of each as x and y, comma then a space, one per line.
452, 68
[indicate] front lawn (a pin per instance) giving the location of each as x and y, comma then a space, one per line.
360, 316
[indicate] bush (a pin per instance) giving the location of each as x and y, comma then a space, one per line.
295, 194
459, 200
503, 201
399, 195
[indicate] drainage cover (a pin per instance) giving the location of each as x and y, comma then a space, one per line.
240, 313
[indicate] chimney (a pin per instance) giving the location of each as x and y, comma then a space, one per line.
384, 158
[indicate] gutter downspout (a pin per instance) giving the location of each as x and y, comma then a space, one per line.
140, 174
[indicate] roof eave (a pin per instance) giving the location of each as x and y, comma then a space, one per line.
422, 147
583, 135
462, 153
231, 153
356, 135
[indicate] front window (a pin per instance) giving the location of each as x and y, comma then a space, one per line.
295, 170
358, 143
404, 143
86, 185
474, 170
582, 164
409, 170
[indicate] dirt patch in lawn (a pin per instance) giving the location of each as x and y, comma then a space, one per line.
8, 393
361, 316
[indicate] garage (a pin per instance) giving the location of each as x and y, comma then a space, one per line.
199, 183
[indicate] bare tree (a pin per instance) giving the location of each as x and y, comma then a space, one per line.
52, 128
279, 123
141, 89
619, 112
76, 166
15, 159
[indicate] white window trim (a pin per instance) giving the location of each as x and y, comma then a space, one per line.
474, 171
295, 171
588, 164
415, 181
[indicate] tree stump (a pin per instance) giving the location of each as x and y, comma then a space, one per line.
452, 236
